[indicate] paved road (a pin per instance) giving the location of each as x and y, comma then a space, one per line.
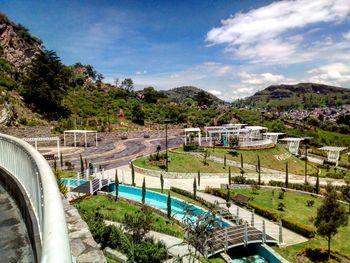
14, 240
110, 154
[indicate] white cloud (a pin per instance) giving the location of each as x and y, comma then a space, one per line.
264, 34
143, 72
337, 74
215, 92
347, 35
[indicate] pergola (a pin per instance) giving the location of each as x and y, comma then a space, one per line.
45, 139
333, 153
75, 132
293, 144
273, 136
197, 130
226, 128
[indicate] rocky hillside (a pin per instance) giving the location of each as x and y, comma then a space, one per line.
302, 95
17, 45
180, 94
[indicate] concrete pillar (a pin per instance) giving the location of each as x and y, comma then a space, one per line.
91, 190
252, 220
263, 232
96, 139
245, 236
280, 237
78, 178
85, 139
226, 239
87, 173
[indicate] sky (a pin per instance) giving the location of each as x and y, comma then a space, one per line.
231, 48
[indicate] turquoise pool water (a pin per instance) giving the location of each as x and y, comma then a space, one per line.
159, 201
73, 182
254, 258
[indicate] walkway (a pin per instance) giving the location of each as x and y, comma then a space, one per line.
14, 240
87, 188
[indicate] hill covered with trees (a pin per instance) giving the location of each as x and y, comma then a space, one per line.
298, 96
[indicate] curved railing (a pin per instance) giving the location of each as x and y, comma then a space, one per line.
34, 174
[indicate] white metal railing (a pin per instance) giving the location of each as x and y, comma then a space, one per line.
255, 143
33, 172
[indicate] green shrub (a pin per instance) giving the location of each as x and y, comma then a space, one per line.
302, 229
191, 147
265, 212
149, 251
190, 195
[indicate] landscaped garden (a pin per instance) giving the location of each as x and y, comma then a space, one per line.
115, 211
297, 210
268, 159
182, 163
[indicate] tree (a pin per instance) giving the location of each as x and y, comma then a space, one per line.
143, 191
229, 175
161, 182
138, 224
194, 188
127, 84
46, 84
203, 99
206, 156
225, 160
116, 180
132, 174
317, 186
330, 216
346, 192
228, 198
286, 184
242, 170
199, 178
61, 160
259, 171
138, 114
168, 204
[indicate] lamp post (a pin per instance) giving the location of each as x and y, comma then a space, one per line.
166, 121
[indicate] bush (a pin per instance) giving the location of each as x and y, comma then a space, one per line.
265, 212
191, 147
304, 230
149, 251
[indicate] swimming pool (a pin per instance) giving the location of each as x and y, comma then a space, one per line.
159, 201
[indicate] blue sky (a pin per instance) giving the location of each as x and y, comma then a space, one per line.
231, 48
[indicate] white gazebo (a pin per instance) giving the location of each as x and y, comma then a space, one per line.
45, 139
333, 153
75, 132
197, 130
293, 144
273, 136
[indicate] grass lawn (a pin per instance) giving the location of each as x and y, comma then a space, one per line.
295, 207
188, 164
115, 211
267, 159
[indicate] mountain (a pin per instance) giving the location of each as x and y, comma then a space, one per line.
180, 94
298, 96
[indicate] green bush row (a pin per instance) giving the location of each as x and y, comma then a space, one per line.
190, 147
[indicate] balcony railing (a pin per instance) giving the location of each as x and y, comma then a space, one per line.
32, 171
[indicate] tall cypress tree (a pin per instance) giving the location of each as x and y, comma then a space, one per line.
225, 160
143, 191
168, 203
242, 170
229, 175
82, 169
61, 159
286, 184
194, 189
259, 171
132, 174
161, 182
116, 185
199, 178
317, 187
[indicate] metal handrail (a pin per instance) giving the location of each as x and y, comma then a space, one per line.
33, 172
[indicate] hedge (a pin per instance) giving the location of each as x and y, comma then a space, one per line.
297, 227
